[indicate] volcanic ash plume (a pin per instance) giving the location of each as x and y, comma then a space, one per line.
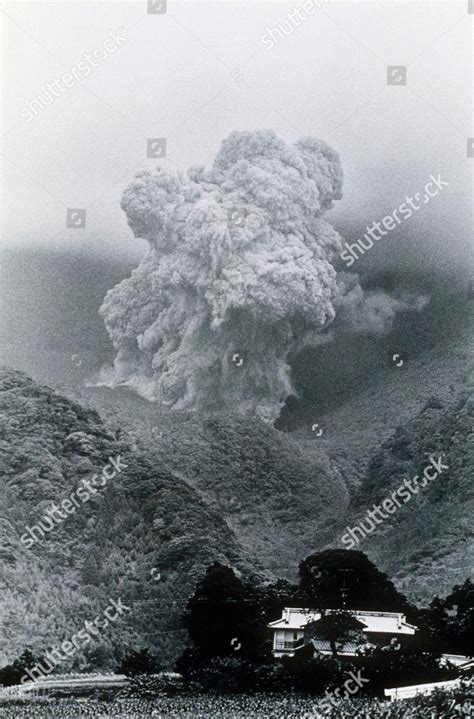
238, 275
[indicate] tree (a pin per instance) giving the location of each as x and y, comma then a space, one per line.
139, 662
450, 621
461, 626
338, 628
407, 665
225, 616
277, 595
346, 578
13, 673
91, 569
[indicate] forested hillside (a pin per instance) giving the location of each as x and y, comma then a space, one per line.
197, 489
145, 537
427, 545
154, 528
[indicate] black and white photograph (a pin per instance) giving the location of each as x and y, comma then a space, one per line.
236, 365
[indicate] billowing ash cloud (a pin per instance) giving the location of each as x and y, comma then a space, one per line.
238, 276
373, 312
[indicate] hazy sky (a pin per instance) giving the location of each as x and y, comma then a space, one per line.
200, 70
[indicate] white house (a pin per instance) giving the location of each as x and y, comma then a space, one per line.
378, 628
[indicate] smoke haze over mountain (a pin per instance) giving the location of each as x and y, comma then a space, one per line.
322, 80
173, 78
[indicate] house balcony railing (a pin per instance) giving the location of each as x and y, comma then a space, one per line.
289, 646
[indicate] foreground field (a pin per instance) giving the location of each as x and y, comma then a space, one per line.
285, 706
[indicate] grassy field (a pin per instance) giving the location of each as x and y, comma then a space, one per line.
285, 706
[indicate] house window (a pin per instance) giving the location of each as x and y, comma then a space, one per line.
295, 635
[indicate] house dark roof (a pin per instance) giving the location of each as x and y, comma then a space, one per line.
324, 647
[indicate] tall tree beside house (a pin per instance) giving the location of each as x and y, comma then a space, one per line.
279, 594
224, 616
461, 602
450, 621
227, 617
347, 579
